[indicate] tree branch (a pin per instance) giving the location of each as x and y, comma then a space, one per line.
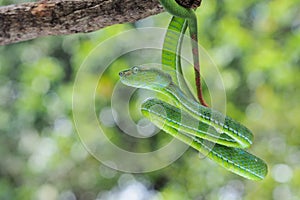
56, 17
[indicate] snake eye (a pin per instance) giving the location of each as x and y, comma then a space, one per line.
135, 69
121, 74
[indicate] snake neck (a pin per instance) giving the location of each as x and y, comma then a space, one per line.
181, 99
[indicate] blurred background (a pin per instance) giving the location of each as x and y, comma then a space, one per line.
256, 46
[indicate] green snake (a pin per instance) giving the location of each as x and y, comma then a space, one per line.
210, 132
230, 136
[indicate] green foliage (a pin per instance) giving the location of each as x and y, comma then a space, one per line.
256, 47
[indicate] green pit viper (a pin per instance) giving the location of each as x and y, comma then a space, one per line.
215, 135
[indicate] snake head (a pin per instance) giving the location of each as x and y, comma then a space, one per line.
144, 77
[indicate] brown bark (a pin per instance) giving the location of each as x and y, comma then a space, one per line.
57, 17
189, 3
